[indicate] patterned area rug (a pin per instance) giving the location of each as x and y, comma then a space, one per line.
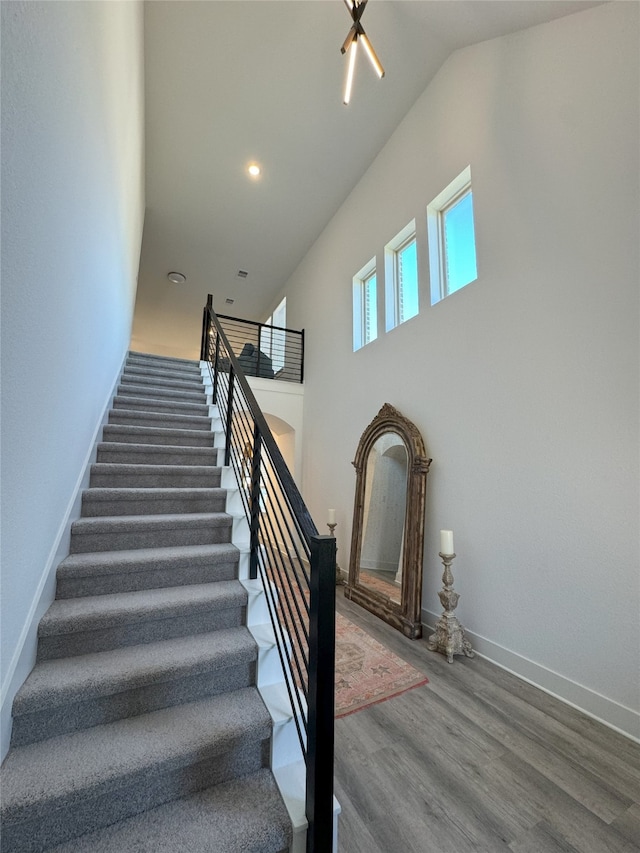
367, 672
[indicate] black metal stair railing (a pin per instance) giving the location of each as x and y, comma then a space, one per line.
297, 568
270, 352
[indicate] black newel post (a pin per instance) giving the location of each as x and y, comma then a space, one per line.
203, 339
322, 647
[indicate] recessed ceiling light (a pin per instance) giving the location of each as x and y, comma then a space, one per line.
254, 170
176, 277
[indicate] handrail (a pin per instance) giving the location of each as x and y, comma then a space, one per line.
297, 568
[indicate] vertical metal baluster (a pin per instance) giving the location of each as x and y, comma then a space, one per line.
216, 367
227, 443
255, 503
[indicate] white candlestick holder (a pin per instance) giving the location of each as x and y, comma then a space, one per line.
449, 638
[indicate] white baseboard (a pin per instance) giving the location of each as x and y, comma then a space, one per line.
24, 657
624, 720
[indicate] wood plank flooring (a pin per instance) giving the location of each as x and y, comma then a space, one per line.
478, 761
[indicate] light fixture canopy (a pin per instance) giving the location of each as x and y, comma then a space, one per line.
355, 34
176, 277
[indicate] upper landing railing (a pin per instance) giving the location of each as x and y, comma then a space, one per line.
297, 568
271, 352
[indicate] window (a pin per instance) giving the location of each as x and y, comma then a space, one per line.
273, 341
452, 243
401, 277
365, 307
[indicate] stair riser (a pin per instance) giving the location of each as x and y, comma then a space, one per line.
167, 477
131, 634
159, 419
93, 507
187, 438
76, 715
170, 407
154, 537
124, 798
132, 581
124, 454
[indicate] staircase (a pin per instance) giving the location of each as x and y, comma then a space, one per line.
141, 727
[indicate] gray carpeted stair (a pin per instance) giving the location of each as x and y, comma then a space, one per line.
140, 727
104, 572
154, 435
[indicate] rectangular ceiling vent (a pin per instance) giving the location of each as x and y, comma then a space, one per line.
229, 301
242, 273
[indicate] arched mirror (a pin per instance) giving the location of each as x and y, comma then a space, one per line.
387, 543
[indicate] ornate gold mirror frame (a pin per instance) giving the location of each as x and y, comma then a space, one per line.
398, 599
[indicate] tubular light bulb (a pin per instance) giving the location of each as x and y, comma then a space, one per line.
372, 55
352, 64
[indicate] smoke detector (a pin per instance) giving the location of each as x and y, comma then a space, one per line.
176, 277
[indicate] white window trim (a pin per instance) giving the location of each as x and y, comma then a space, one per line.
435, 232
391, 290
359, 282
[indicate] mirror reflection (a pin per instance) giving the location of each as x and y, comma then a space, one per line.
384, 516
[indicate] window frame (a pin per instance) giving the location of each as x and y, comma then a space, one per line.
361, 281
437, 210
392, 252
271, 339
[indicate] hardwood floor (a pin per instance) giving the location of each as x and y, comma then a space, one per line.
478, 761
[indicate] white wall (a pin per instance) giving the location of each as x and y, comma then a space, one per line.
524, 384
72, 210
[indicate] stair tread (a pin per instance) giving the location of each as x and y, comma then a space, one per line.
172, 383
82, 764
104, 562
155, 372
158, 416
96, 612
235, 817
181, 405
152, 356
146, 470
115, 429
165, 449
80, 678
113, 492
164, 521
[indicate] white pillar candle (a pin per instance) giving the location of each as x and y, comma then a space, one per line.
331, 516
446, 542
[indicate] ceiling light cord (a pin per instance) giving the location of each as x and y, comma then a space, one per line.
355, 34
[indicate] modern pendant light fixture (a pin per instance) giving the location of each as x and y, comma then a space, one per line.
356, 34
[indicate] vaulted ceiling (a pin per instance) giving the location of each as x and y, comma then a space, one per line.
234, 81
